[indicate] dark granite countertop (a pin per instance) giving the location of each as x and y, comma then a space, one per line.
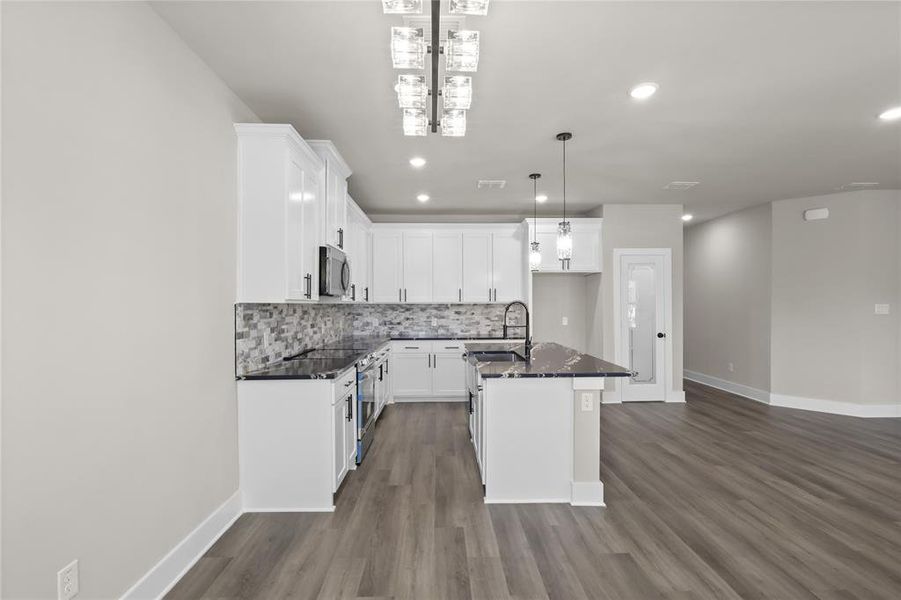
356, 347
547, 360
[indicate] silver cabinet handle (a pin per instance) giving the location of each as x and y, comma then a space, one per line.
399, 299
460, 294
429, 356
411, 347
405, 294
366, 294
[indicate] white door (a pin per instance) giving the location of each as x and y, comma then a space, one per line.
448, 373
417, 267
508, 260
643, 323
447, 267
411, 374
387, 268
476, 267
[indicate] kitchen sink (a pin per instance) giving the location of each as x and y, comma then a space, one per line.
496, 356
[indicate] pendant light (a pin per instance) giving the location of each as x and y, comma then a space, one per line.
564, 229
534, 247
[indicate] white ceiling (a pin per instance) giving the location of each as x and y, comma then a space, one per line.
757, 101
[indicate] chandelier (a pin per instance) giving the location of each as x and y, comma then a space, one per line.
415, 94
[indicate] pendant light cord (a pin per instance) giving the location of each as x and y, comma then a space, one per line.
564, 180
535, 203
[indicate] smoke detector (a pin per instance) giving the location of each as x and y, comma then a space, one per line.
680, 186
492, 184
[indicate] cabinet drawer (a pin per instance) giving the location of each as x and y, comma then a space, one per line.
439, 346
412, 346
344, 383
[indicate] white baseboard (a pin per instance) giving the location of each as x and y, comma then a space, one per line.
289, 509
728, 386
166, 573
611, 397
527, 501
588, 493
835, 407
850, 409
675, 397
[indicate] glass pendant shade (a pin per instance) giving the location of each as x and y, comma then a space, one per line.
457, 92
407, 48
462, 50
404, 7
534, 256
478, 8
412, 91
564, 240
453, 122
415, 121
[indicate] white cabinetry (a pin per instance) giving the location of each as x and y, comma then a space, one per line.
279, 197
433, 263
387, 266
586, 255
426, 369
358, 249
336, 173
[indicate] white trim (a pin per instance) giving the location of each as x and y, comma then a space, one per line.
290, 509
670, 393
738, 389
587, 493
527, 501
172, 567
589, 383
611, 397
835, 407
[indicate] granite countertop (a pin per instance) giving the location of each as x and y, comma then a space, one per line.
547, 360
355, 347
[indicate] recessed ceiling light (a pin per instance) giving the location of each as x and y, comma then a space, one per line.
687, 217
423, 197
891, 114
541, 198
417, 161
643, 91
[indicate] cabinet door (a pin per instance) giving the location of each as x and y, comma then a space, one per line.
339, 210
411, 374
295, 247
339, 417
312, 201
350, 431
476, 267
508, 261
548, 244
586, 251
417, 267
387, 281
448, 373
447, 267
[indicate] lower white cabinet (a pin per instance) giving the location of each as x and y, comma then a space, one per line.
427, 369
296, 441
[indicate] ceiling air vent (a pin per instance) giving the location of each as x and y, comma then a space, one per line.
861, 185
680, 186
492, 184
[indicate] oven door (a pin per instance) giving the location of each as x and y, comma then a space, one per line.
366, 404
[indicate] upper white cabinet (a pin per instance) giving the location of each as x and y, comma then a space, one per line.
586, 256
431, 263
280, 192
336, 172
387, 266
358, 248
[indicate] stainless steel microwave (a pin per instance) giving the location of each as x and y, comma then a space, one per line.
334, 272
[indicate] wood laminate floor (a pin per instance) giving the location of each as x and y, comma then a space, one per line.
716, 498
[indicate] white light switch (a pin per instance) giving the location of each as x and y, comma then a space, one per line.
566, 320
587, 402
883, 309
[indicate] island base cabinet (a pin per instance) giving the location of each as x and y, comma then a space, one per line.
428, 370
527, 439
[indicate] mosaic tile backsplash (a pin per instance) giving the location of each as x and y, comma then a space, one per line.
266, 333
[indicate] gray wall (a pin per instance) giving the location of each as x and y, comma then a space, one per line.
558, 295
728, 266
118, 232
827, 343
643, 226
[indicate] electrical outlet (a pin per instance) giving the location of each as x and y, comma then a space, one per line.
731, 368
67, 581
587, 402
566, 320
882, 309
434, 322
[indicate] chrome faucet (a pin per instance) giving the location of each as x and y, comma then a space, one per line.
508, 327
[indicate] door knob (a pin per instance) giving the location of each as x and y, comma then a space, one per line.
661, 335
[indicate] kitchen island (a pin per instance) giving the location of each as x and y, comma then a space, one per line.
535, 421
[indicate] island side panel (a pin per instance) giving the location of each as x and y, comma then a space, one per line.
529, 439
587, 488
